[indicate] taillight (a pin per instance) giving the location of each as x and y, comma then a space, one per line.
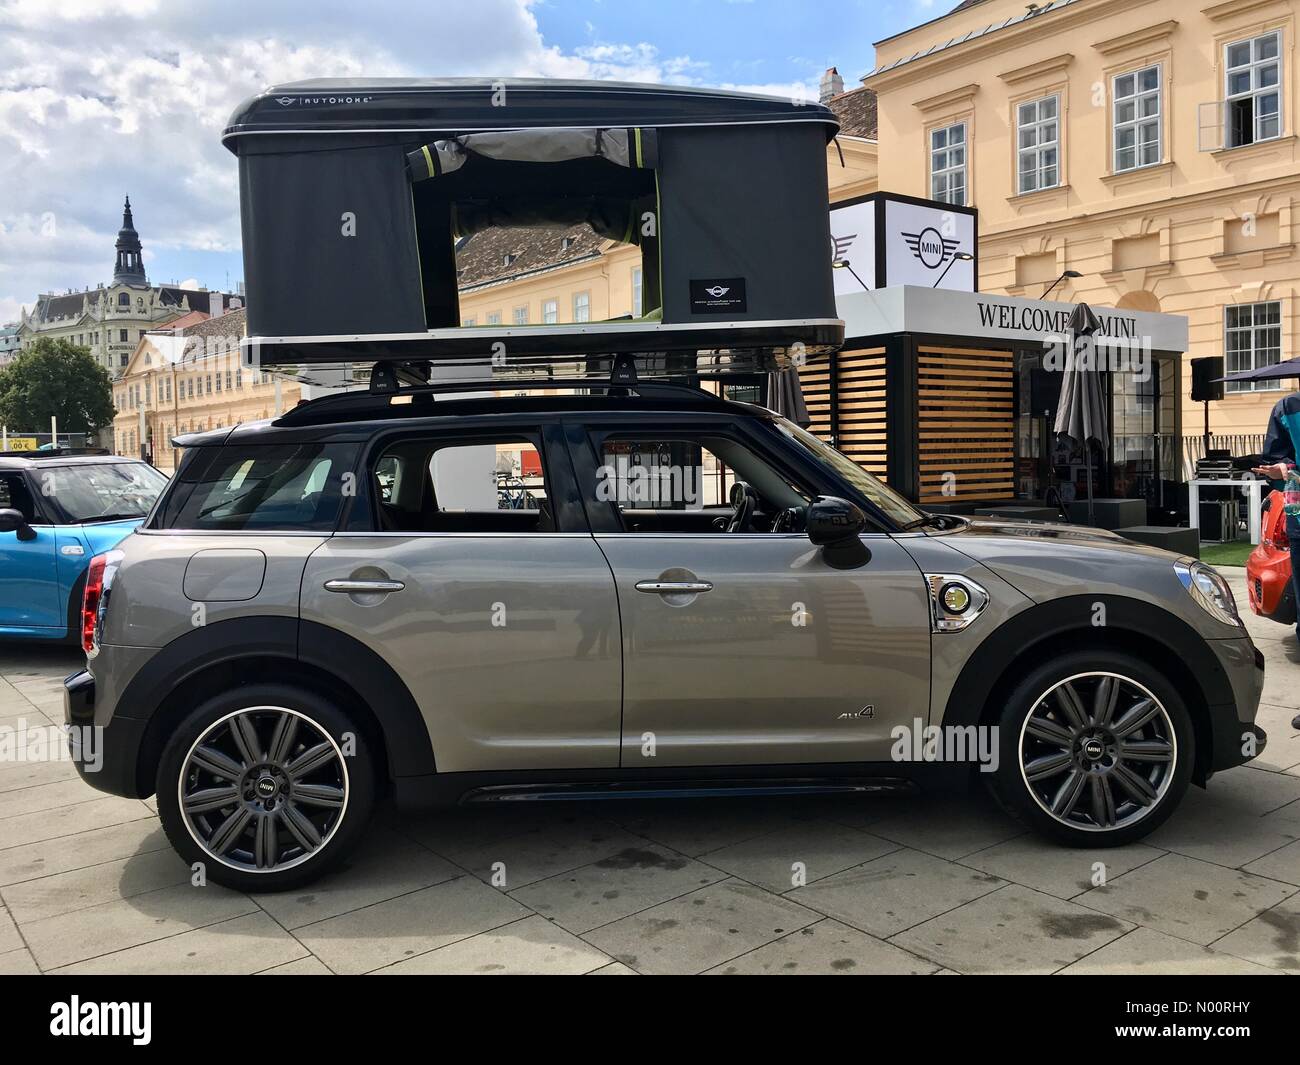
94, 602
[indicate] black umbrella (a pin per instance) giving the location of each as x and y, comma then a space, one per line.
785, 396
1081, 413
1289, 368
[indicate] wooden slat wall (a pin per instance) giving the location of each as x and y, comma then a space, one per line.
861, 404
966, 423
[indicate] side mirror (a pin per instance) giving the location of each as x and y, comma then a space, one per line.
833, 524
13, 521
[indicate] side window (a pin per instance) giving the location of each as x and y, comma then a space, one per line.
14, 494
474, 484
678, 483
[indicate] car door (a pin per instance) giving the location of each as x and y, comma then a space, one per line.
30, 601
475, 576
745, 647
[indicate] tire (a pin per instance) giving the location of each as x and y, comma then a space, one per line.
287, 818
1060, 789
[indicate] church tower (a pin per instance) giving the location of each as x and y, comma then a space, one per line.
130, 262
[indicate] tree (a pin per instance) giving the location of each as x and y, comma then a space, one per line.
55, 378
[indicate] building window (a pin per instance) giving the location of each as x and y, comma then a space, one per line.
492, 318
1253, 338
1253, 90
1038, 138
124, 300
948, 164
637, 293
582, 306
1137, 119
218, 382
550, 312
521, 315
229, 380
122, 360
469, 321
121, 336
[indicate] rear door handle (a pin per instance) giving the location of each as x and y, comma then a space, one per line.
361, 587
674, 587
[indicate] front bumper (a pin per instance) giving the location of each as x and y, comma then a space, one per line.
1234, 737
106, 756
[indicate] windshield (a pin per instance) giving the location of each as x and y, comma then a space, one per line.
111, 491
889, 501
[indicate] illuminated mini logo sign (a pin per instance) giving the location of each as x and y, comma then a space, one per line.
931, 247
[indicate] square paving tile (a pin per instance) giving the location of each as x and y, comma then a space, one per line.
894, 892
308, 966
1272, 938
243, 945
9, 937
1282, 864
544, 852
18, 775
701, 929
44, 797
1014, 930
81, 850
77, 889
1187, 898
387, 932
69, 820
614, 968
1283, 749
114, 926
949, 826
1064, 872
531, 946
694, 826
615, 887
817, 849
1146, 952
1223, 826
826, 948
18, 963
379, 870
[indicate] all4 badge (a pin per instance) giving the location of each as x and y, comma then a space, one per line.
867, 711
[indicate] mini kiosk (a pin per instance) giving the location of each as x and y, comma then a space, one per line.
354, 194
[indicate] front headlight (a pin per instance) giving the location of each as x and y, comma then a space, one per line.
1210, 590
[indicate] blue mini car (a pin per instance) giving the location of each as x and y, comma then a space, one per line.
57, 510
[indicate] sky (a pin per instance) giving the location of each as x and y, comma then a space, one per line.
101, 100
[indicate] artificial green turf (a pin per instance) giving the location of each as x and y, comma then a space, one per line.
1232, 554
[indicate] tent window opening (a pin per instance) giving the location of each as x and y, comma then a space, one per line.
499, 205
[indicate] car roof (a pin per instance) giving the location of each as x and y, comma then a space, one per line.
38, 460
365, 419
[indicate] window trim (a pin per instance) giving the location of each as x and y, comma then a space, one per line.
1254, 386
1039, 146
1138, 120
1254, 93
965, 165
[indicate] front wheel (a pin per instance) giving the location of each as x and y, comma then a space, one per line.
1096, 749
267, 786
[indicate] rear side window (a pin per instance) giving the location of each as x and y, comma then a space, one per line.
265, 487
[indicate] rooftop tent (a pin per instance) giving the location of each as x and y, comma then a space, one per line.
354, 193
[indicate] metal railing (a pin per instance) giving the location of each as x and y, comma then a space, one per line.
1234, 443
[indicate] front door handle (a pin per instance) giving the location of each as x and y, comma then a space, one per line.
362, 587
674, 587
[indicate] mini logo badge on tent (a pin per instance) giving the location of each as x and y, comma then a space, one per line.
718, 295
931, 247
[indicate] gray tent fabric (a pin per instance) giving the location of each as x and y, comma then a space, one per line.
623, 147
1081, 411
785, 396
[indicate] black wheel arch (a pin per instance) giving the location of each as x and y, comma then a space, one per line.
1133, 626
231, 653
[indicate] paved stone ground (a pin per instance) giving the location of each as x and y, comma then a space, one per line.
89, 884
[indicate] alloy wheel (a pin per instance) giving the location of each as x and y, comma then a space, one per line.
263, 789
1098, 751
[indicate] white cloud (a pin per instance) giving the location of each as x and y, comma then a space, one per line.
98, 100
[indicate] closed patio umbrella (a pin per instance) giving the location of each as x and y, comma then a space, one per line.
785, 396
1081, 414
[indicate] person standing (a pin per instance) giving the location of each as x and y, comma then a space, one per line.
1281, 445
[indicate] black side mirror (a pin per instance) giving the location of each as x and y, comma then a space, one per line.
13, 521
834, 524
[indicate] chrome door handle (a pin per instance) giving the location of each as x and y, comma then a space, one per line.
674, 587
362, 587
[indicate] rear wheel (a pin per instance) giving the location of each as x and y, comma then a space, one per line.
267, 786
1096, 749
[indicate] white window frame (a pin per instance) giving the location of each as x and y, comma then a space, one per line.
520, 315
550, 312
1252, 331
1040, 146
941, 165
638, 292
1138, 121
1254, 67
582, 310
492, 318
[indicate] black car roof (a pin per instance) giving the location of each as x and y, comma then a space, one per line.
409, 105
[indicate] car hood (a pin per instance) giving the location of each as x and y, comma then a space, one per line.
1046, 562
105, 535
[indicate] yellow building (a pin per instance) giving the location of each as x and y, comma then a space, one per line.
1150, 145
187, 379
